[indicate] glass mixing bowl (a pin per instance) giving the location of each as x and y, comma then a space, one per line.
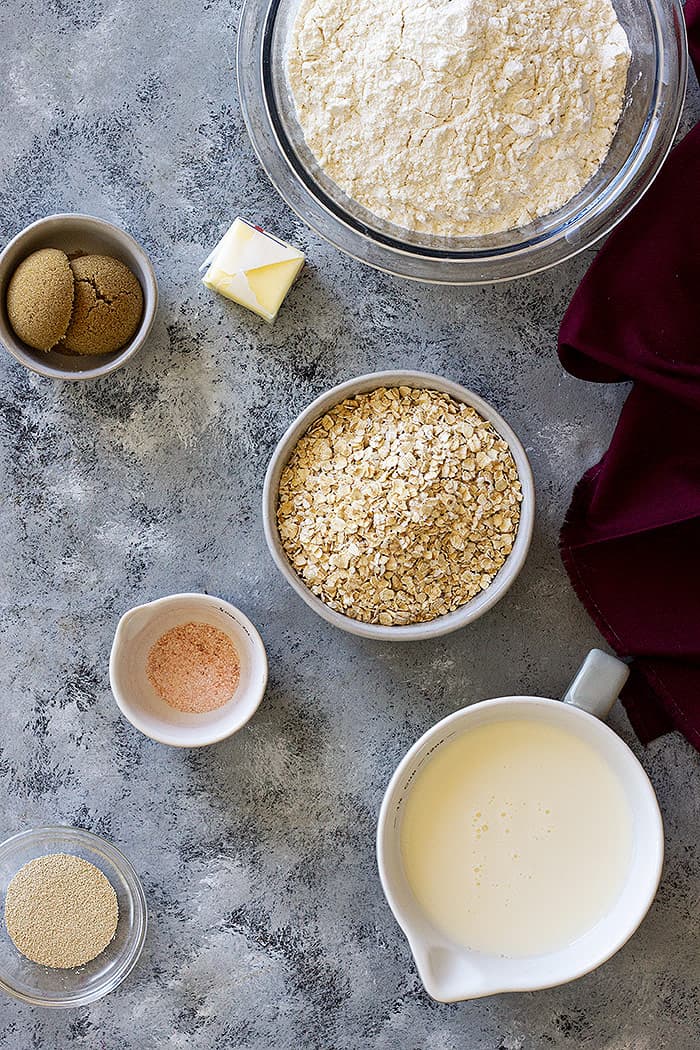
654, 99
42, 985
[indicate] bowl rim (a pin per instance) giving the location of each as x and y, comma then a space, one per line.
126, 868
15, 346
131, 713
466, 613
354, 239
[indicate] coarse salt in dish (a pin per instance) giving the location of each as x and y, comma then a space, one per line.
214, 683
194, 668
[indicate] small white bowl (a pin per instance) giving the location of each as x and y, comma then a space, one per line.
441, 624
138, 701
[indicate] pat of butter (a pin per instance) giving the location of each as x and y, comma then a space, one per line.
253, 268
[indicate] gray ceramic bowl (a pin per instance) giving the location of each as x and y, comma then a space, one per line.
88, 235
441, 624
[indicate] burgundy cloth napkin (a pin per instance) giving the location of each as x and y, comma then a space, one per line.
631, 538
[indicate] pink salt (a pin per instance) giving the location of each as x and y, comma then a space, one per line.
194, 668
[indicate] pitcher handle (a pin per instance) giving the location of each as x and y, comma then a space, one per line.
597, 683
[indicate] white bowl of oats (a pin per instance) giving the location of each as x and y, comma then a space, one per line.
399, 506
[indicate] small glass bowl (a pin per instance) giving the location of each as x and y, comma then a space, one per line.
42, 985
651, 112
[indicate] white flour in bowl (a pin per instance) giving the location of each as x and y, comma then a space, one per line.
458, 117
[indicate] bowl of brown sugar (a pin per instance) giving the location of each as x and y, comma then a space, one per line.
78, 297
188, 669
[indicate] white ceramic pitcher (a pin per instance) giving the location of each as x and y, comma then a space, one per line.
451, 972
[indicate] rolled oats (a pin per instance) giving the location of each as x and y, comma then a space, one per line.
399, 505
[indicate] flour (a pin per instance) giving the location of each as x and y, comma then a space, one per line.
458, 117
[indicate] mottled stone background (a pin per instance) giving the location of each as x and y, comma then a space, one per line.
268, 926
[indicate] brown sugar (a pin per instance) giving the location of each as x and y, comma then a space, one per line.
194, 668
108, 306
40, 298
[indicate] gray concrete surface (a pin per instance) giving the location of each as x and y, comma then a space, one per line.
268, 926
